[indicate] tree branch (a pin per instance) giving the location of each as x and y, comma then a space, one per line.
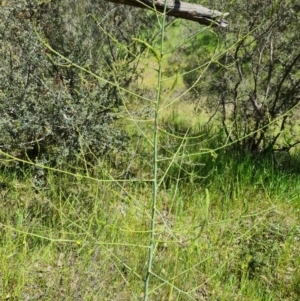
183, 10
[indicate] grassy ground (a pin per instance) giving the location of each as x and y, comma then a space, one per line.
226, 228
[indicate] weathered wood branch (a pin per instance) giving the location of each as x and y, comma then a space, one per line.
183, 10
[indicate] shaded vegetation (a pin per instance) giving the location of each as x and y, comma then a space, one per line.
47, 105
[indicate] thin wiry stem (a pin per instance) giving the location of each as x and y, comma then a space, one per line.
155, 160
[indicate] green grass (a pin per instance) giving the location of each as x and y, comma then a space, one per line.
226, 231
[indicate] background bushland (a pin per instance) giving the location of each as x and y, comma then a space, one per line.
253, 81
50, 107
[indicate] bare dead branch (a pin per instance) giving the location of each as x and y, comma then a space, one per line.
183, 10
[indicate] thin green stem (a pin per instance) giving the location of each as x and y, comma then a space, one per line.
155, 160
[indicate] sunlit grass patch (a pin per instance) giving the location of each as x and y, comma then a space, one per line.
231, 234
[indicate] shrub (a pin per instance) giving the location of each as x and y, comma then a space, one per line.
47, 106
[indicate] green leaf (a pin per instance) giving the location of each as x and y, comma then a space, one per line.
155, 53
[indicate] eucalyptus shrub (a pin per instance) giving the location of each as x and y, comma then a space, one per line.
256, 82
253, 79
47, 106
